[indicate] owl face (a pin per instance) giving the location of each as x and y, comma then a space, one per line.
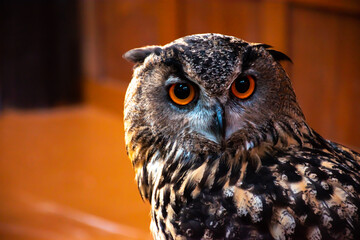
207, 92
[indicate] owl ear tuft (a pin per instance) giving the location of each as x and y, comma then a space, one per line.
138, 55
277, 55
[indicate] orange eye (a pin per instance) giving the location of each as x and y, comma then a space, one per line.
243, 87
182, 93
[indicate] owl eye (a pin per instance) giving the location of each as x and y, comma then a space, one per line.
243, 87
182, 93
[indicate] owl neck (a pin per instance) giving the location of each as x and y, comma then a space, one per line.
160, 160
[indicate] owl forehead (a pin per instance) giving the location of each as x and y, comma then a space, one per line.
210, 59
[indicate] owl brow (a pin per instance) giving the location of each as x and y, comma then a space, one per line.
177, 67
249, 56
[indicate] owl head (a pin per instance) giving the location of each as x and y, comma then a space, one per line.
207, 93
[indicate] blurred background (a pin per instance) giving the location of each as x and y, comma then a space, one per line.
64, 173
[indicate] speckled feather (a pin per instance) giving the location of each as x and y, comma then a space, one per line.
270, 177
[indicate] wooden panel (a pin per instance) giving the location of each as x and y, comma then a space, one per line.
347, 111
108, 95
241, 20
237, 18
325, 75
274, 24
201, 16
122, 25
348, 6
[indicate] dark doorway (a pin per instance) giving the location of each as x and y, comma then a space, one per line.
39, 53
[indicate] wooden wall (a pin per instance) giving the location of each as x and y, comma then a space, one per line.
326, 74
321, 36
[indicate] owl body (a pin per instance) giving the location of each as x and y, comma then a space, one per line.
221, 148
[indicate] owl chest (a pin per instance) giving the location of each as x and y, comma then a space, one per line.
202, 204
207, 215
207, 203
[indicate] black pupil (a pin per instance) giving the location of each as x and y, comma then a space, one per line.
242, 85
182, 91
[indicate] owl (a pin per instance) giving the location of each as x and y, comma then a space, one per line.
221, 148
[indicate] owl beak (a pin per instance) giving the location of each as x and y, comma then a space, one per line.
218, 126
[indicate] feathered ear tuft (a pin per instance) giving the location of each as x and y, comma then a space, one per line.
138, 55
264, 45
277, 55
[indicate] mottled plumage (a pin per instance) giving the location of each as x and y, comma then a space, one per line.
222, 167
